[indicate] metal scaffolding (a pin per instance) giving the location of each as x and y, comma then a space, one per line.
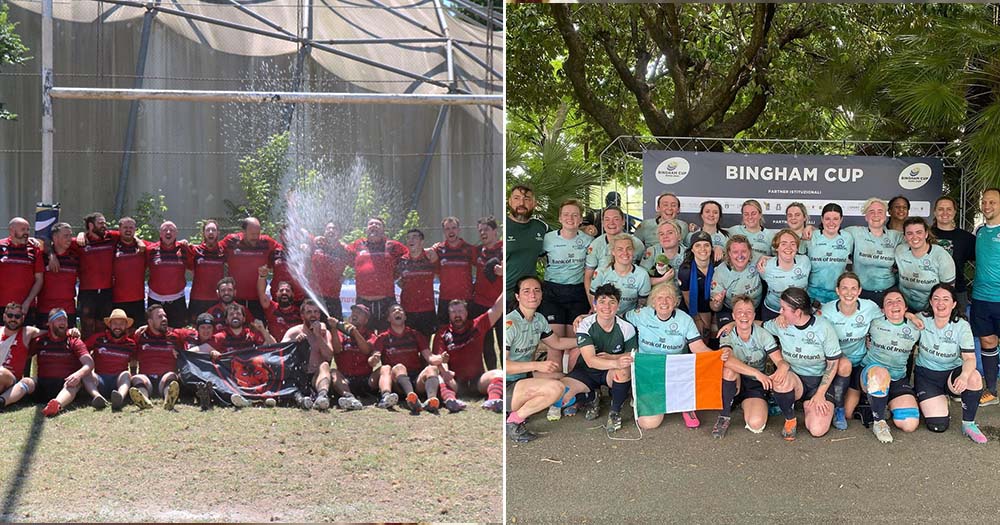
454, 94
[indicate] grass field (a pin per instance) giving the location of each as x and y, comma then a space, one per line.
256, 464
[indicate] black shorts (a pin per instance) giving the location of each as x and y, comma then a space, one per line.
768, 314
424, 322
154, 381
195, 307
379, 318
876, 297
42, 320
750, 388
933, 383
94, 304
594, 379
723, 316
562, 303
134, 309
47, 388
856, 376
359, 385
810, 384
900, 387
176, 310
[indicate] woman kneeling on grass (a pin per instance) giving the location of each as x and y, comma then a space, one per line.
663, 329
890, 342
946, 361
743, 377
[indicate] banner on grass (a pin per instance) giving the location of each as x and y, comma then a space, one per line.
258, 372
666, 384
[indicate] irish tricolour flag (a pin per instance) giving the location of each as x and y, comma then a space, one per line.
665, 384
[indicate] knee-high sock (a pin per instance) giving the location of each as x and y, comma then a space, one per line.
404, 382
431, 386
991, 360
839, 387
495, 388
786, 402
728, 393
619, 393
878, 405
446, 392
970, 404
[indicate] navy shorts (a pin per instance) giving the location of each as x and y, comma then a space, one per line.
810, 384
107, 383
985, 318
154, 380
750, 388
856, 376
359, 385
933, 383
562, 303
590, 377
724, 316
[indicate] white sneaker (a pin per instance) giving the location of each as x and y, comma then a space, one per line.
881, 430
239, 401
554, 414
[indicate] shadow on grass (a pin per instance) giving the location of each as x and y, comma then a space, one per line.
17, 481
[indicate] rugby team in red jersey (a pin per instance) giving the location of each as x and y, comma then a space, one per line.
108, 313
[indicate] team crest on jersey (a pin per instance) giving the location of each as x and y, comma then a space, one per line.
810, 336
859, 319
798, 272
630, 281
906, 330
673, 326
578, 243
948, 334
927, 263
840, 243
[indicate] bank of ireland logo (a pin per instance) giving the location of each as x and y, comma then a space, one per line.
672, 170
914, 176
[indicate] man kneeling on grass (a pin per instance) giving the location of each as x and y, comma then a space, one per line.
158, 345
403, 353
59, 356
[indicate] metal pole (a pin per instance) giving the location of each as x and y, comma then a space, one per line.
280, 97
448, 53
133, 113
47, 127
425, 166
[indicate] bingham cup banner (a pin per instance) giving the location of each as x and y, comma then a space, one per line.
779, 180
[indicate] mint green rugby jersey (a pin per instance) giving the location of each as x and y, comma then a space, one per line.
829, 259
565, 257
633, 285
890, 346
807, 349
648, 234
874, 257
754, 351
941, 349
852, 329
779, 280
658, 336
521, 337
737, 283
918, 275
599, 254
760, 242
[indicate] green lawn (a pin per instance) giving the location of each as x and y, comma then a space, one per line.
256, 464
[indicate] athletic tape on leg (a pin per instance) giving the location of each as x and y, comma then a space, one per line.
876, 386
900, 414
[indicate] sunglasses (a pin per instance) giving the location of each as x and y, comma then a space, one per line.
13, 316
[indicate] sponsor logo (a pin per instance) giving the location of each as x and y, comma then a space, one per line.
672, 170
914, 176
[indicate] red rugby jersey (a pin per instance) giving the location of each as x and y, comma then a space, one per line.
166, 269
59, 288
352, 361
129, 271
279, 320
243, 259
455, 264
465, 348
57, 358
328, 265
375, 266
225, 341
18, 266
156, 352
403, 349
111, 356
17, 358
208, 264
97, 262
416, 283
486, 290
